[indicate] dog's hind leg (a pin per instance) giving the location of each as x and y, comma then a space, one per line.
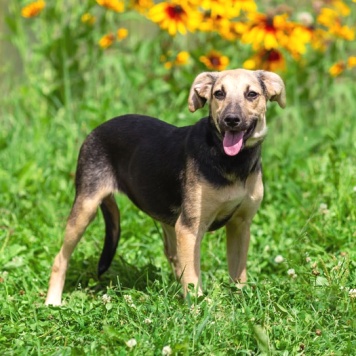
82, 213
111, 215
170, 248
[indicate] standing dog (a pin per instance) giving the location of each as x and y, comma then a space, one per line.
191, 179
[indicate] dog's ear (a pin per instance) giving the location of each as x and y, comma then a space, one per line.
275, 88
200, 90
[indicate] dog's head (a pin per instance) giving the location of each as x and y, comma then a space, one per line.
237, 101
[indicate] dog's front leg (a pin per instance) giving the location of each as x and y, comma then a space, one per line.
188, 254
237, 243
238, 229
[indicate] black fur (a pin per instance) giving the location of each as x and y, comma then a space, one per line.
111, 241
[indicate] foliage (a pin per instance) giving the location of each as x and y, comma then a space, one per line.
301, 293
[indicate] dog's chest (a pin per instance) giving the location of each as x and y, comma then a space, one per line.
220, 204
227, 199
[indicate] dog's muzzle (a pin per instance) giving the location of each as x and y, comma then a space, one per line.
235, 134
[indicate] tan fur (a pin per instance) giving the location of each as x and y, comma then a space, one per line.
83, 211
207, 204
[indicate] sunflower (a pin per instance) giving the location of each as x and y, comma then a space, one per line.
175, 16
33, 9
115, 5
271, 60
215, 60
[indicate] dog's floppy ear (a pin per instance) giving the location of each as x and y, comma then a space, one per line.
275, 88
200, 90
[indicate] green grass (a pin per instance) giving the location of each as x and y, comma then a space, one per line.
308, 216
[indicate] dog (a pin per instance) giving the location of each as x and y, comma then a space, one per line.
191, 179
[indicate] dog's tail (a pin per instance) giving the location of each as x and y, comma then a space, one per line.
111, 215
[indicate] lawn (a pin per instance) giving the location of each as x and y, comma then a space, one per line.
300, 298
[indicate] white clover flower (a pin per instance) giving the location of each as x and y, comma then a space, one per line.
291, 272
323, 208
106, 298
352, 293
131, 343
129, 301
279, 259
166, 350
208, 300
308, 259
148, 321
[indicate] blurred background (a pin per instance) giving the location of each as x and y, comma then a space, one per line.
67, 66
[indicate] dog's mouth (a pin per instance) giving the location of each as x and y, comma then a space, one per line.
234, 141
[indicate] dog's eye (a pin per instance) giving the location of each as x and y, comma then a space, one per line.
252, 95
219, 94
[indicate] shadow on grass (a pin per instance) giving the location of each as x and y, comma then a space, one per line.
121, 275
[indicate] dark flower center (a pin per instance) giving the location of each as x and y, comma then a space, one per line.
272, 56
215, 60
175, 12
268, 24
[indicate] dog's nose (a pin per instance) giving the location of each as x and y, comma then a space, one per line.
232, 121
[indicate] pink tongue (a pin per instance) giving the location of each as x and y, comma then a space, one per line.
233, 142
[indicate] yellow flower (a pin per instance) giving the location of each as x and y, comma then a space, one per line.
341, 7
344, 32
33, 9
175, 16
327, 17
298, 38
115, 5
215, 60
106, 41
122, 33
274, 32
337, 68
319, 39
351, 62
218, 8
88, 18
271, 60
181, 59
142, 6
245, 5
266, 31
